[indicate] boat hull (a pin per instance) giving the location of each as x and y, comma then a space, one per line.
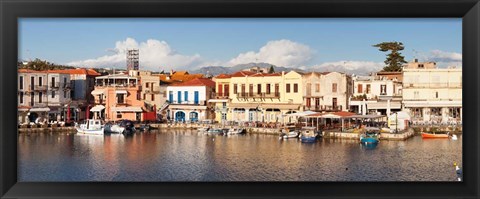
90, 132
369, 140
429, 135
308, 139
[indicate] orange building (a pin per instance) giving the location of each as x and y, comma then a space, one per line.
118, 97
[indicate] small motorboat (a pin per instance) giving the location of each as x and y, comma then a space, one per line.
308, 134
235, 131
128, 125
369, 138
111, 127
289, 132
146, 127
433, 135
91, 127
215, 131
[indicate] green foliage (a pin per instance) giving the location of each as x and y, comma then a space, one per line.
271, 70
394, 60
39, 65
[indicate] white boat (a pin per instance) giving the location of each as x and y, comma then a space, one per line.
289, 132
235, 131
91, 126
113, 128
203, 129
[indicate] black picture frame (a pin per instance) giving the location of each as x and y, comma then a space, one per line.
469, 10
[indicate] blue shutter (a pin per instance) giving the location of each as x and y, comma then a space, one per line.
179, 96
170, 97
196, 97
186, 96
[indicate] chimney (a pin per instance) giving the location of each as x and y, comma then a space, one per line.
415, 60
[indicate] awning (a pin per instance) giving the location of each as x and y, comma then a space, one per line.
241, 105
23, 109
281, 106
98, 92
97, 108
384, 105
40, 109
366, 116
127, 109
121, 92
218, 100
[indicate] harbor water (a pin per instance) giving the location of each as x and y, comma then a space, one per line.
186, 155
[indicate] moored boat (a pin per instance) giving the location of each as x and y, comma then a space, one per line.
215, 131
289, 132
433, 135
370, 137
110, 127
91, 127
308, 134
235, 131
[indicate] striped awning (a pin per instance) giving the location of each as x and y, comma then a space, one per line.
127, 109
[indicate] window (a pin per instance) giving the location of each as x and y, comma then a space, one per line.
383, 89
334, 87
224, 104
360, 88
146, 85
235, 89
64, 94
295, 88
436, 94
308, 102
139, 96
186, 95
226, 90
179, 96
170, 96
268, 88
32, 83
119, 115
64, 82
259, 89
317, 102
368, 88
53, 94
224, 116
288, 88
40, 82
243, 90
53, 82
120, 98
317, 87
220, 90
144, 96
277, 90
420, 66
21, 97
40, 96
153, 97
21, 82
309, 89
250, 90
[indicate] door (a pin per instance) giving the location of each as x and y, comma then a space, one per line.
180, 116
334, 103
194, 116
195, 97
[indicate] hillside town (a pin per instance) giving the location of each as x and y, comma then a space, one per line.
255, 96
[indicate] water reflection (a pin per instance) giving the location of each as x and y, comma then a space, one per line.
191, 156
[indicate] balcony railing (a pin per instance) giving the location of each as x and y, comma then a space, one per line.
201, 103
432, 85
258, 95
40, 88
100, 101
323, 108
219, 96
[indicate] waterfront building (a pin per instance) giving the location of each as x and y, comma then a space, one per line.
118, 97
326, 91
188, 101
379, 93
258, 97
44, 95
82, 84
432, 95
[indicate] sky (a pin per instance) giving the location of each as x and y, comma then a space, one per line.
191, 43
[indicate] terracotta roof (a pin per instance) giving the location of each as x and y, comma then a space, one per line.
30, 71
78, 71
197, 82
223, 76
242, 74
266, 74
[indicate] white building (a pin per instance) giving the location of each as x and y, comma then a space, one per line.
188, 100
326, 91
376, 94
433, 94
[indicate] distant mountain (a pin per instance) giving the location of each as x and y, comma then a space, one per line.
216, 70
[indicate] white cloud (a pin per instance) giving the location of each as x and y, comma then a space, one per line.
444, 59
153, 54
350, 67
279, 52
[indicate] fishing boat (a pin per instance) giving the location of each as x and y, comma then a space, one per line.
370, 137
91, 127
235, 131
433, 135
308, 134
128, 125
289, 132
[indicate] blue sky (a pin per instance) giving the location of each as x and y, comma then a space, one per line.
192, 43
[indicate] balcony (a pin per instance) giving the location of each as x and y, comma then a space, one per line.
321, 108
40, 88
219, 96
152, 90
199, 103
433, 85
54, 85
258, 95
100, 101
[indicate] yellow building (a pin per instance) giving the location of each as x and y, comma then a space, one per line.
257, 97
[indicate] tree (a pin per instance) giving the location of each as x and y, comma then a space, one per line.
395, 59
271, 69
39, 64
